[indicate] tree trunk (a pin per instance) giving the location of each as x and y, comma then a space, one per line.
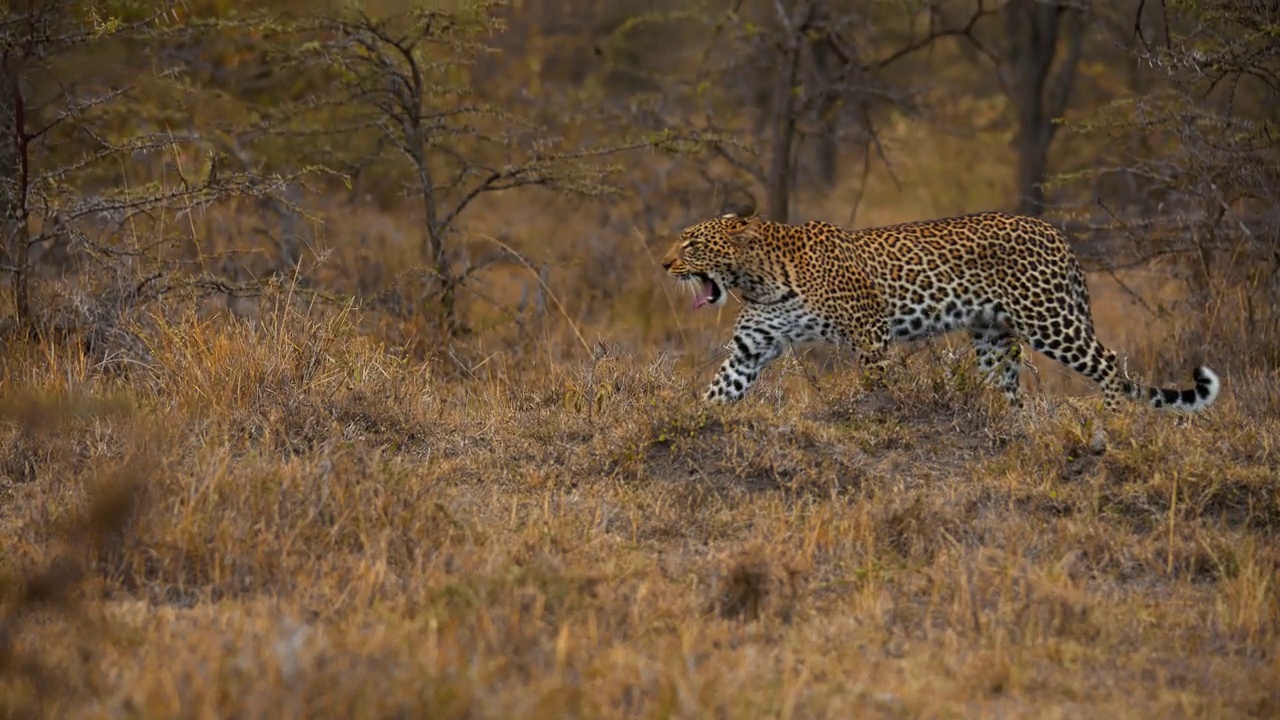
14, 178
1032, 32
435, 253
826, 145
1033, 161
447, 282
8, 173
783, 126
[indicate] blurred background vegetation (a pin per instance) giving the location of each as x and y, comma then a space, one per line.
489, 176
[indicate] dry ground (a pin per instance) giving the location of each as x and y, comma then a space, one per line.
277, 518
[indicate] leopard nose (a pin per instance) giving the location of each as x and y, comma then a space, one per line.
666, 264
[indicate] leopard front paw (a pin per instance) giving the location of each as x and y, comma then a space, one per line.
718, 395
873, 379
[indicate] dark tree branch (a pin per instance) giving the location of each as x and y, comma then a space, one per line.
933, 36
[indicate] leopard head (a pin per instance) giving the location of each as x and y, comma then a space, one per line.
707, 256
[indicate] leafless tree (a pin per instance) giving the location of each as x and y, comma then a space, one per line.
1035, 56
1203, 150
1043, 40
1216, 177
774, 74
396, 89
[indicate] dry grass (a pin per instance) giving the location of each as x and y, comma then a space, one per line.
278, 518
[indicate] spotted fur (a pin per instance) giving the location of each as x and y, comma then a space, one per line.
1001, 278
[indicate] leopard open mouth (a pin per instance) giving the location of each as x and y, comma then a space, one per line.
705, 290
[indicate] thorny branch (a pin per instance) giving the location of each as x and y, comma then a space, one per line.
73, 138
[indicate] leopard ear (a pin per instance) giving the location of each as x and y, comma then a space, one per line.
742, 228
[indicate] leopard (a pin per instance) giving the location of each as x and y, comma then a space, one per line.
1005, 279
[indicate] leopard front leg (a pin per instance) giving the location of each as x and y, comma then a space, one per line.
752, 348
873, 355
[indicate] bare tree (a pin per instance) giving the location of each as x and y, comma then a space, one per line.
1035, 60
773, 74
1205, 153
81, 146
396, 88
1214, 183
1043, 39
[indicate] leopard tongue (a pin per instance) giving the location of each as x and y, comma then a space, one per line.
704, 298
